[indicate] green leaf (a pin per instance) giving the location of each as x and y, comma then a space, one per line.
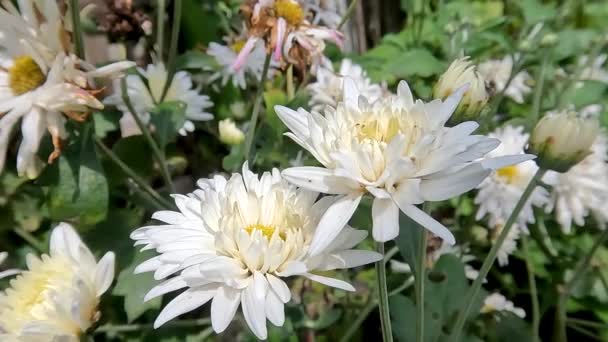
196, 60
572, 42
407, 241
168, 118
133, 287
234, 159
80, 190
274, 97
535, 11
415, 62
105, 122
136, 153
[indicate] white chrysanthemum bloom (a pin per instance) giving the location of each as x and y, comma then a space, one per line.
499, 193
327, 89
9, 272
230, 134
582, 190
497, 73
595, 71
233, 241
225, 56
397, 149
145, 93
498, 303
56, 299
39, 84
509, 246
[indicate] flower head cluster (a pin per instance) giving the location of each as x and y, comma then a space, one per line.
499, 303
41, 83
234, 240
146, 91
56, 299
497, 73
397, 149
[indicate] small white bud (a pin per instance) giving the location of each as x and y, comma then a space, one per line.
230, 134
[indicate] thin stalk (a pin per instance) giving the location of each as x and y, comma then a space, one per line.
110, 328
420, 276
585, 332
587, 323
390, 254
257, 106
160, 27
77, 29
491, 257
602, 279
175, 26
290, 85
560, 318
31, 239
533, 290
129, 172
349, 12
144, 195
385, 319
158, 154
538, 93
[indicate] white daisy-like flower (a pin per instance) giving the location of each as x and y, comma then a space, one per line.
499, 193
582, 190
225, 56
145, 91
39, 84
497, 73
498, 303
509, 246
9, 272
56, 299
327, 89
595, 71
326, 12
397, 149
234, 240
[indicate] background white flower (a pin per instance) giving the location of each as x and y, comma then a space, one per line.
397, 149
595, 70
233, 241
498, 303
56, 299
145, 96
497, 72
225, 55
9, 272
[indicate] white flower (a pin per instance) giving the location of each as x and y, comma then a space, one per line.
56, 299
9, 272
229, 133
396, 149
498, 303
234, 240
39, 83
499, 193
145, 96
509, 246
583, 189
226, 56
327, 89
497, 72
326, 12
595, 71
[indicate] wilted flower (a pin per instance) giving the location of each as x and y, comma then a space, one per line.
396, 149
225, 55
462, 72
56, 299
40, 83
498, 303
229, 133
497, 73
233, 241
327, 89
146, 95
561, 139
9, 272
326, 12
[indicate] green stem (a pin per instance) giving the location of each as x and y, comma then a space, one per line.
175, 26
533, 290
158, 154
590, 324
390, 254
130, 173
31, 239
385, 319
77, 28
160, 27
585, 332
110, 328
257, 106
536, 104
420, 276
560, 318
349, 12
491, 257
290, 85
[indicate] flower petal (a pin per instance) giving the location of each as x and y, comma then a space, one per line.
333, 221
223, 307
333, 282
318, 179
187, 301
427, 222
385, 217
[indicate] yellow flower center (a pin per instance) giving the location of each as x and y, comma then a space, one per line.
25, 75
509, 173
290, 11
237, 46
267, 231
378, 130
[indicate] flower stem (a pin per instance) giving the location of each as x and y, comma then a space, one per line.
538, 93
257, 106
158, 154
560, 314
175, 26
160, 27
31, 239
420, 276
110, 328
491, 257
349, 12
385, 319
290, 85
127, 170
77, 28
533, 290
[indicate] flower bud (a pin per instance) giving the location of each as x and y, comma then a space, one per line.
549, 39
462, 72
230, 134
562, 139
